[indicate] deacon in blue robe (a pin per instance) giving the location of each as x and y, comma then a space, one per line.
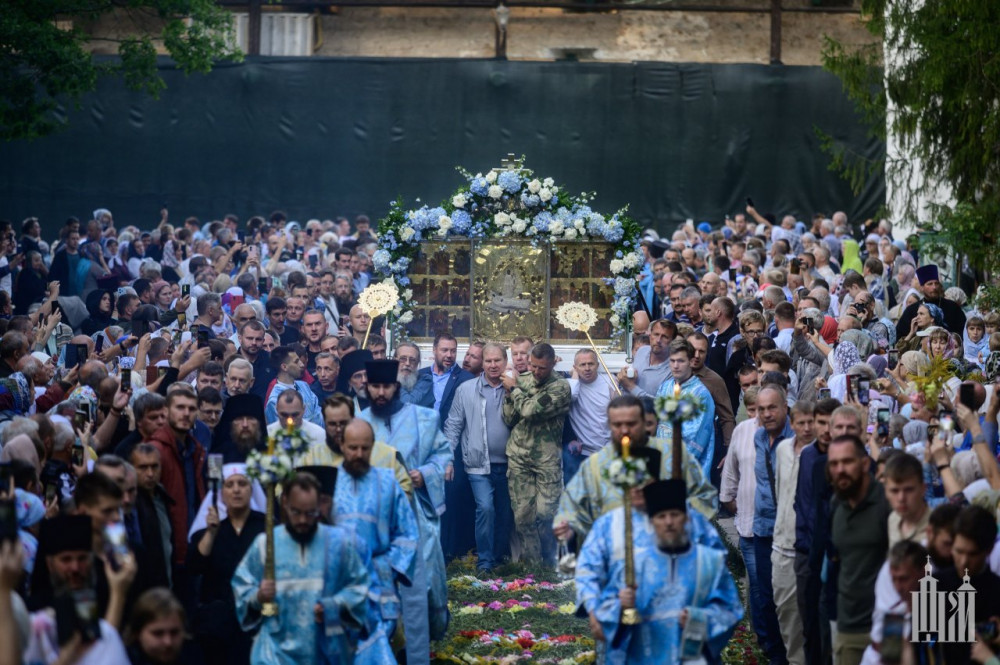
677, 579
374, 506
414, 432
326, 570
698, 433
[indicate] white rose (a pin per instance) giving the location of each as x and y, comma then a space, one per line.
614, 320
491, 177
406, 234
556, 227
555, 190
534, 186
545, 194
631, 260
617, 265
502, 218
519, 226
495, 191
570, 234
578, 223
548, 182
408, 294
406, 317
458, 200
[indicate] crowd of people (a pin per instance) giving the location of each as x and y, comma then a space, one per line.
849, 427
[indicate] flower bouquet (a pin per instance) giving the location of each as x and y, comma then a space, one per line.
626, 472
680, 407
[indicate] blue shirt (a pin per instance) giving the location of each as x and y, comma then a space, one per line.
805, 501
440, 381
765, 507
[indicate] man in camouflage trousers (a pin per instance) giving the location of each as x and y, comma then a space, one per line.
535, 409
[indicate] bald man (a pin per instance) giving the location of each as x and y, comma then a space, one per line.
359, 323
370, 502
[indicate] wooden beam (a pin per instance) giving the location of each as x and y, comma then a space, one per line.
254, 28
775, 32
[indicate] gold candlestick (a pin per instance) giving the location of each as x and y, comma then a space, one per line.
630, 616
270, 608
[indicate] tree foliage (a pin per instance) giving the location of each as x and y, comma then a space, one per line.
937, 90
45, 60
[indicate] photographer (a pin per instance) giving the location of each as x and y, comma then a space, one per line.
808, 361
68, 629
881, 330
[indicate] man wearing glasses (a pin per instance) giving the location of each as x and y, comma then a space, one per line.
414, 388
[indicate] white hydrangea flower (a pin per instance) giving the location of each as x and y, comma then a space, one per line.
519, 226
531, 231
548, 182
491, 177
502, 218
556, 227
570, 233
617, 265
406, 316
534, 186
632, 260
406, 234
545, 194
494, 192
458, 200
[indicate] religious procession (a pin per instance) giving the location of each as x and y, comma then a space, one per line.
464, 332
252, 450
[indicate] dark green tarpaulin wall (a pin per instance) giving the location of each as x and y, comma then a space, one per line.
323, 137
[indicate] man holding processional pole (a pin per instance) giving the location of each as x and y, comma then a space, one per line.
652, 593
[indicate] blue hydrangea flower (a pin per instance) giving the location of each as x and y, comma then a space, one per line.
461, 221
510, 181
380, 260
479, 186
530, 200
542, 221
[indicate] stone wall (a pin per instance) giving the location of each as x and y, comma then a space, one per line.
621, 36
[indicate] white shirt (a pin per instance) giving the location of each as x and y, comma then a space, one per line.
786, 480
738, 479
588, 412
44, 648
784, 340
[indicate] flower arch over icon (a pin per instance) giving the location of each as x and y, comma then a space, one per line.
508, 202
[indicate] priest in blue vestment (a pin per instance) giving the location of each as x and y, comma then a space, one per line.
687, 603
414, 432
321, 586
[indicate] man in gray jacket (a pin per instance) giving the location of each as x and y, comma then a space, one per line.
475, 423
807, 360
